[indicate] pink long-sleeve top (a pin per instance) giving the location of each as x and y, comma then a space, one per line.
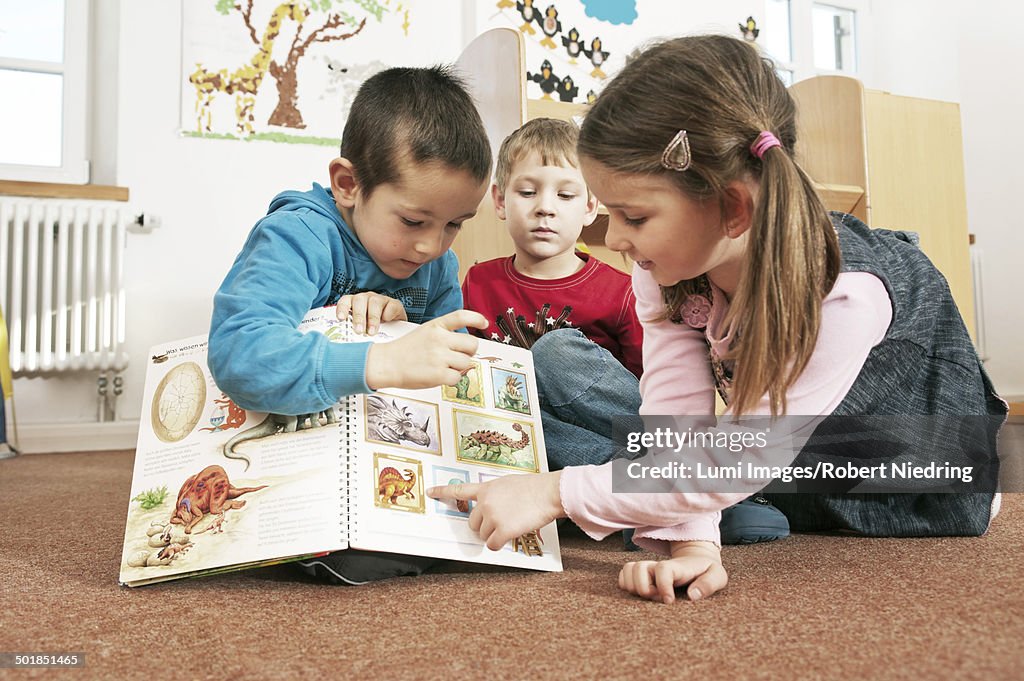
678, 380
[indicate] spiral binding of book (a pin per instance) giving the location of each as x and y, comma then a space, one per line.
348, 427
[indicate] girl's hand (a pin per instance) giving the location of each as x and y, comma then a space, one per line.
508, 507
696, 563
369, 309
432, 355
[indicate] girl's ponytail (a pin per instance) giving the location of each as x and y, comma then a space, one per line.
792, 262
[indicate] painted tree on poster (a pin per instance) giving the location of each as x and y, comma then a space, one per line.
317, 21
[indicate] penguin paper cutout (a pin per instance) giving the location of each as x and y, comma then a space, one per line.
551, 27
567, 91
547, 80
596, 57
750, 30
572, 44
529, 14
591, 97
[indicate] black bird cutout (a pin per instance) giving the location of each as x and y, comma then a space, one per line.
547, 80
551, 27
572, 44
750, 30
597, 57
529, 14
567, 91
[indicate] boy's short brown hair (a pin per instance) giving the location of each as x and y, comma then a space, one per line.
553, 139
417, 114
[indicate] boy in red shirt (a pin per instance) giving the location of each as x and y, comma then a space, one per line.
556, 300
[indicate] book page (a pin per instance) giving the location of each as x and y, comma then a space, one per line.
486, 426
217, 486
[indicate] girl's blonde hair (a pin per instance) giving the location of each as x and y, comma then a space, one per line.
724, 94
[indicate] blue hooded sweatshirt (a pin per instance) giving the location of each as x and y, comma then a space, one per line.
299, 257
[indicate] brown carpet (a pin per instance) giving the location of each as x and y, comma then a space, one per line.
819, 607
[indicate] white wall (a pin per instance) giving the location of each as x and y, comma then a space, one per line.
949, 50
208, 193
992, 100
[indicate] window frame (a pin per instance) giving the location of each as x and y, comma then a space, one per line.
801, 64
74, 69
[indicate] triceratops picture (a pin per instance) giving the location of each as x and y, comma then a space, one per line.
399, 483
402, 422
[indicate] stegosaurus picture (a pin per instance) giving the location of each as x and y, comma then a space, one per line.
495, 441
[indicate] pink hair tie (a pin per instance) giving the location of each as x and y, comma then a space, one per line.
763, 143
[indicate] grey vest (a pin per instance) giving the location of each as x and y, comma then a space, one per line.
925, 365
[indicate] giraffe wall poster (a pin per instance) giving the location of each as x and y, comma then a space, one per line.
287, 71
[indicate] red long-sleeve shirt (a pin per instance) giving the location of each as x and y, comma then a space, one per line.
598, 300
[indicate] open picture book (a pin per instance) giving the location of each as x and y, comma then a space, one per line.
218, 488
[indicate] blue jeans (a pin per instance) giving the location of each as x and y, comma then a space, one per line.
581, 386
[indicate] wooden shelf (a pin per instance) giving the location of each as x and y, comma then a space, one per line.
841, 197
46, 190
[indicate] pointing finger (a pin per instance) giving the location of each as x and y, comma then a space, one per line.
458, 319
464, 491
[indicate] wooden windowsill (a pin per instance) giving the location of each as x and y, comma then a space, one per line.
47, 190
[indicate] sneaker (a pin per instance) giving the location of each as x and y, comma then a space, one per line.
751, 521
353, 567
627, 540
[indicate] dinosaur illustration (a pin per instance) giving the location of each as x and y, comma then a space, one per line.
209, 491
272, 425
217, 526
489, 445
462, 386
460, 504
172, 551
530, 544
245, 81
391, 484
511, 397
235, 416
391, 423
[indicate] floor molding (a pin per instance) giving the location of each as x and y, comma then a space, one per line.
45, 438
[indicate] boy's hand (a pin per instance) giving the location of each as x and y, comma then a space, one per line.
369, 309
508, 507
432, 355
696, 563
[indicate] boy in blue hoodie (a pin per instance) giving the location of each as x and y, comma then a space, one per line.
415, 163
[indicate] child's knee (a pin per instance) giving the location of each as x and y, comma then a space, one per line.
561, 349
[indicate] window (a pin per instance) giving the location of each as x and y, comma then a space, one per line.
834, 38
43, 54
778, 41
807, 38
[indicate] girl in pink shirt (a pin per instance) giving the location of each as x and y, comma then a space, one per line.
746, 284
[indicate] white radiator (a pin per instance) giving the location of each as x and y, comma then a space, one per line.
62, 281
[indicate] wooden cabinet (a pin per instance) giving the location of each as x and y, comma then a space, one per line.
895, 162
493, 66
